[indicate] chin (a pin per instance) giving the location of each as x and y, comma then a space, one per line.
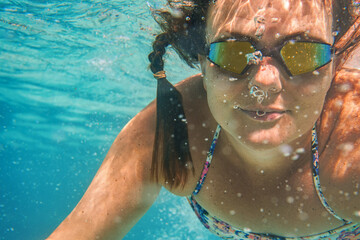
259, 138
267, 138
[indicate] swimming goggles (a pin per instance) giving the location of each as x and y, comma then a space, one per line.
298, 57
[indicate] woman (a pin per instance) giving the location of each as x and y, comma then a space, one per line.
272, 85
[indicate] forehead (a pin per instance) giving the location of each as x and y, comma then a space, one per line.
272, 19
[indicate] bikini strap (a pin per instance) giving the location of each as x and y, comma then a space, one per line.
316, 178
208, 161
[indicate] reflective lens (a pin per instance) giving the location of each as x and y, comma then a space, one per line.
298, 57
303, 57
230, 55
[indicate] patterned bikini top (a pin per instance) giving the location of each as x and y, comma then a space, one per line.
224, 230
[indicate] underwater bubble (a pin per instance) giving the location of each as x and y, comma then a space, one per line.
287, 187
316, 73
238, 195
246, 229
206, 139
224, 101
232, 79
254, 58
339, 103
335, 33
286, 149
290, 200
187, 18
297, 107
357, 213
300, 150
232, 212
346, 147
344, 87
295, 157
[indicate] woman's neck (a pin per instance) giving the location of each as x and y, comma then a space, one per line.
279, 160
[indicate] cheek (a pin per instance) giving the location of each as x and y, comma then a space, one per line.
218, 96
314, 85
310, 97
221, 94
215, 83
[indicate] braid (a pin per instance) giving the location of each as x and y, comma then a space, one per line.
155, 58
171, 153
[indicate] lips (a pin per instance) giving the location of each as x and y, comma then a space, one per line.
264, 115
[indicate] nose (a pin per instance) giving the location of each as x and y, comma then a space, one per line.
267, 77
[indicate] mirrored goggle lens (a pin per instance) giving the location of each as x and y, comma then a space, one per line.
303, 57
230, 55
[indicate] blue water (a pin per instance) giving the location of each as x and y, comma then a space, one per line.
72, 74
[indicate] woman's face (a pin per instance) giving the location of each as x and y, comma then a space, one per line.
293, 104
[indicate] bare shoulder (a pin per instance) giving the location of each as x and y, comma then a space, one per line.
138, 135
339, 141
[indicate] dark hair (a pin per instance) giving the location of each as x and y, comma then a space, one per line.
183, 26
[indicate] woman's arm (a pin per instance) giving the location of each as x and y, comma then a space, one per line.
121, 192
